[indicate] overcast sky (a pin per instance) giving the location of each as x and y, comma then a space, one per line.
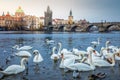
91, 10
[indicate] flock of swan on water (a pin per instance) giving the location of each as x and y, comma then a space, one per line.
76, 59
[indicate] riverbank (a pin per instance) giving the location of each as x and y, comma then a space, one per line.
42, 32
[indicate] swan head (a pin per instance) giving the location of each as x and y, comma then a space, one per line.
107, 42
35, 52
16, 46
54, 49
59, 43
24, 59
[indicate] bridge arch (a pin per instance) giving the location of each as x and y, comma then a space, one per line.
73, 29
61, 28
112, 27
92, 28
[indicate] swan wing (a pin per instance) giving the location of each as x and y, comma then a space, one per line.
69, 61
101, 63
25, 48
94, 42
53, 56
13, 69
23, 54
79, 67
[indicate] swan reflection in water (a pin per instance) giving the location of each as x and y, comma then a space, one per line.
37, 69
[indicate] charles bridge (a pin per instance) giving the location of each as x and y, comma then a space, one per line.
100, 27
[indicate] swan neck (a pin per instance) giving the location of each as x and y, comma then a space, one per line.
37, 55
90, 57
113, 60
22, 63
101, 53
53, 52
59, 48
106, 45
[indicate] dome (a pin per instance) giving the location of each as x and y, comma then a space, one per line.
19, 10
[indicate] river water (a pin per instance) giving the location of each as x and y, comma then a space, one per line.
47, 69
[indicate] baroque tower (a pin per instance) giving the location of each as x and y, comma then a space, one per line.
19, 12
70, 18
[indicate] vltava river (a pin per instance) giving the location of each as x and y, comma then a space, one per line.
48, 70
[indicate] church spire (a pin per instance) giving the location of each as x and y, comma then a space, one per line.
48, 8
3, 14
70, 12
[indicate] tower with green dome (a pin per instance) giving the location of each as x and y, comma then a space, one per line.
19, 12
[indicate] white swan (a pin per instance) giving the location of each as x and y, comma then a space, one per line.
49, 41
54, 56
37, 58
15, 69
103, 63
115, 51
83, 66
96, 54
22, 48
96, 42
23, 54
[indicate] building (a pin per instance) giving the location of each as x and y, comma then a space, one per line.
48, 17
70, 18
6, 21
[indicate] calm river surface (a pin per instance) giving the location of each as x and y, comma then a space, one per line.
47, 69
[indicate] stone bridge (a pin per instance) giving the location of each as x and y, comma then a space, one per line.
101, 27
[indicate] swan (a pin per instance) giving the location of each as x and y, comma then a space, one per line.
37, 58
15, 69
23, 54
101, 62
95, 43
49, 41
104, 63
83, 66
54, 56
22, 48
96, 54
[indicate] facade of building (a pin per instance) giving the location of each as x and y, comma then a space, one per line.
6, 20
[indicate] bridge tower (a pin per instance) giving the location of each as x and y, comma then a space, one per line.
48, 20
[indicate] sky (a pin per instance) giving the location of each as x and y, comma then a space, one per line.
91, 10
